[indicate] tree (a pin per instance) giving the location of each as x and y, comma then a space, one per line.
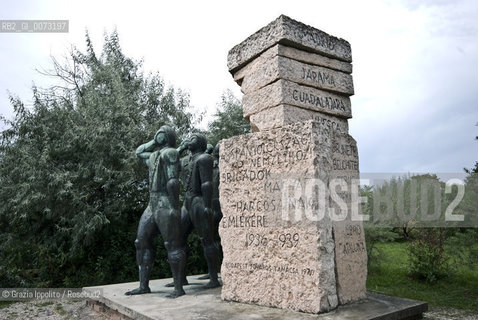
465, 242
416, 207
71, 188
374, 234
229, 120
475, 169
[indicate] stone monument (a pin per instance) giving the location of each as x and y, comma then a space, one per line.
291, 230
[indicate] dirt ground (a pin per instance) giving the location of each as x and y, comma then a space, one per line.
51, 310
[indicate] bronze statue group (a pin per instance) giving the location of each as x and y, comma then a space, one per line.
198, 173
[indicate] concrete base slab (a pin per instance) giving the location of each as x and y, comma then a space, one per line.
200, 303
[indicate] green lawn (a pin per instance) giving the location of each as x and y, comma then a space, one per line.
459, 290
4, 304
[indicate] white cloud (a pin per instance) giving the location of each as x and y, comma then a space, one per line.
414, 65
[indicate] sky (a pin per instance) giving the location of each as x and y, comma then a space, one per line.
415, 108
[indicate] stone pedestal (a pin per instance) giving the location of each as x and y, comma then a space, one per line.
199, 303
291, 231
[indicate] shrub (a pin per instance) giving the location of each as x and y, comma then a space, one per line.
427, 257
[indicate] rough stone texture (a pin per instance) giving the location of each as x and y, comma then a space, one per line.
57, 309
280, 67
313, 58
277, 236
292, 33
207, 304
281, 248
350, 261
294, 54
349, 235
289, 190
287, 92
284, 114
274, 255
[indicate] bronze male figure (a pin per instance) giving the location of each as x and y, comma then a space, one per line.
197, 207
216, 206
162, 214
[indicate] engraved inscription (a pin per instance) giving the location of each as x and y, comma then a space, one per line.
287, 114
317, 76
273, 147
340, 164
330, 124
351, 245
246, 174
345, 149
288, 189
306, 95
318, 101
318, 38
272, 187
283, 240
271, 268
239, 221
254, 205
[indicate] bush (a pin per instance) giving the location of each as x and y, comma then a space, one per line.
427, 257
463, 248
71, 187
373, 236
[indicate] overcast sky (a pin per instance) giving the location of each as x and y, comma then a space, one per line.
415, 107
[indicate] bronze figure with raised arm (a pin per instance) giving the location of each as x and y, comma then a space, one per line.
162, 214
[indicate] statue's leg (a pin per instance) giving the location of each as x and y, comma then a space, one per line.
169, 224
216, 207
204, 223
177, 261
147, 230
217, 219
211, 253
186, 229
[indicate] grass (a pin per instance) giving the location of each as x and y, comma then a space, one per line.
390, 276
5, 304
60, 310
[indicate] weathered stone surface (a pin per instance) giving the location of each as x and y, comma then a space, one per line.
276, 251
253, 65
292, 33
206, 304
294, 54
349, 235
281, 115
313, 58
287, 92
284, 68
291, 231
350, 260
285, 243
